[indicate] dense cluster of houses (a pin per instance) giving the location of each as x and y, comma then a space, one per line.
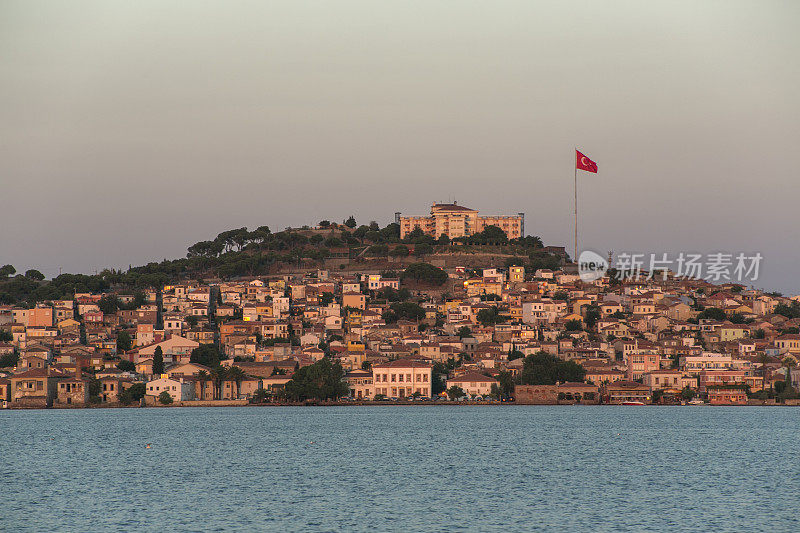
637, 340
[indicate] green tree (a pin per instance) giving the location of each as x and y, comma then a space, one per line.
124, 341
713, 313
237, 375
34, 275
7, 270
543, 368
493, 234
322, 381
687, 393
573, 325
424, 273
126, 366
401, 250
134, 393
165, 398
203, 377
505, 384
455, 392
490, 316
108, 304
515, 354
423, 248
350, 222
158, 361
464, 331
208, 355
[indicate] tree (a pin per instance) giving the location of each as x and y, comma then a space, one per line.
165, 398
543, 368
124, 341
7, 270
455, 392
464, 331
493, 234
366, 365
350, 222
423, 248
34, 275
490, 316
135, 392
261, 395
206, 355
321, 381
237, 375
505, 384
515, 354
687, 393
324, 223
573, 325
108, 304
126, 366
713, 313
203, 378
401, 250
158, 361
424, 273
191, 320
592, 316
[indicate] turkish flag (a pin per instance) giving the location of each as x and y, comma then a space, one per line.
584, 163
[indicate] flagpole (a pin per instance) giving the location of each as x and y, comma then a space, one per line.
575, 167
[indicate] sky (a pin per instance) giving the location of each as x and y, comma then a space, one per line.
131, 130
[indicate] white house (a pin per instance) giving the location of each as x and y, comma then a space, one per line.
177, 388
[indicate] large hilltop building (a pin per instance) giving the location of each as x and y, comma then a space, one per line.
456, 221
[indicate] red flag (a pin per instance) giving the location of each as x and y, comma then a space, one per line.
584, 163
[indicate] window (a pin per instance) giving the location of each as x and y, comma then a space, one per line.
400, 378
394, 378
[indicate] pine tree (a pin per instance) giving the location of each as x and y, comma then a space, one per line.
158, 361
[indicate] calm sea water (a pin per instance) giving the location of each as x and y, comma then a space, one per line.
398, 468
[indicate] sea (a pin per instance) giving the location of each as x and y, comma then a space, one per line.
426, 468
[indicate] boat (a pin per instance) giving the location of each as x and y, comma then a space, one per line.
697, 402
633, 403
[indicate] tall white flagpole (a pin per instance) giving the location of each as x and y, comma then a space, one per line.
575, 167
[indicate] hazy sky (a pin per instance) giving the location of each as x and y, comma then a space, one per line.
130, 130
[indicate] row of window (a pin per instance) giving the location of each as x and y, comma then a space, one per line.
400, 377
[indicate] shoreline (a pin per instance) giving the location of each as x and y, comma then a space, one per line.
242, 403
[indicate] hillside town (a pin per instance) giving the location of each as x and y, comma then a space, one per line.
421, 333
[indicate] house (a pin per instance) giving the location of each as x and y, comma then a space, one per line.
360, 383
667, 379
473, 384
73, 390
355, 300
179, 389
727, 395
626, 391
34, 388
402, 377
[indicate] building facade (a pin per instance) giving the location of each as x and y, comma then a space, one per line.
456, 221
